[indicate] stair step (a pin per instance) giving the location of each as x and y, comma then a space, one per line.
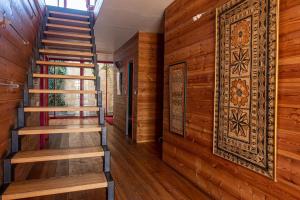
58, 76
72, 28
66, 53
40, 91
61, 109
68, 20
65, 64
59, 129
68, 14
70, 58
56, 154
67, 35
58, 185
63, 43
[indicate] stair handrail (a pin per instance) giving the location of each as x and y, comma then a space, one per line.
4, 22
10, 84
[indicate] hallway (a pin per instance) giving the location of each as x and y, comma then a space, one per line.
137, 169
150, 100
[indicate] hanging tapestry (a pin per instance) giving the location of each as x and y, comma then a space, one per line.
246, 84
177, 84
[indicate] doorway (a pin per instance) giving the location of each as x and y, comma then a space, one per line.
129, 121
106, 74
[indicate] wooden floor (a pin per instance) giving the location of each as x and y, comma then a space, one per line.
138, 170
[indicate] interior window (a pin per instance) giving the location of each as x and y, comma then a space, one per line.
92, 2
77, 4
51, 2
73, 4
61, 3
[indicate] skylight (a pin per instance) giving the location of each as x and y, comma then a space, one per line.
73, 4
51, 2
77, 4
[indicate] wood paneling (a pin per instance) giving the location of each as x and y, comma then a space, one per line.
146, 52
194, 42
127, 53
150, 87
14, 59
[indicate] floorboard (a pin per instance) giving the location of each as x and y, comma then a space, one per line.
137, 169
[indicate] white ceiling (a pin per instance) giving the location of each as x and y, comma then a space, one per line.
119, 20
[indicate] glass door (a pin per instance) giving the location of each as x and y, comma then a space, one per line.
106, 74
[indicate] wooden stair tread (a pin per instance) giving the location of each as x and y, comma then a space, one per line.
61, 109
44, 91
58, 76
56, 154
59, 185
67, 64
59, 129
70, 58
66, 53
67, 27
68, 35
59, 42
68, 14
68, 20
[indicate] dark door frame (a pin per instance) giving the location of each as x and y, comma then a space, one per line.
130, 75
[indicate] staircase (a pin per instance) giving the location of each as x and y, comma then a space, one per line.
68, 34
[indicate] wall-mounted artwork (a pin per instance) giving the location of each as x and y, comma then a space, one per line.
177, 88
119, 83
246, 84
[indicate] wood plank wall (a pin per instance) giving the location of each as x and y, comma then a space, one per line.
125, 54
194, 42
146, 52
14, 59
150, 87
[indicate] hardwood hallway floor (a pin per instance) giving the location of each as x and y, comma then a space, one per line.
137, 169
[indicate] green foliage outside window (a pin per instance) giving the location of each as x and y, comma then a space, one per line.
57, 84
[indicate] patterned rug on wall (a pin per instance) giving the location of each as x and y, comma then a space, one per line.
246, 84
177, 89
